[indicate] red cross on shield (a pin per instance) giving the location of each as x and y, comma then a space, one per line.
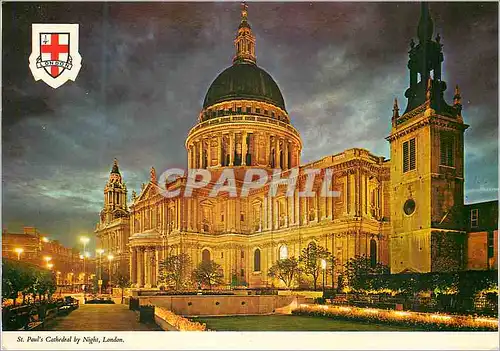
54, 50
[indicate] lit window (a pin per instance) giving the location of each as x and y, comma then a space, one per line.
409, 155
283, 252
491, 244
447, 143
256, 260
474, 218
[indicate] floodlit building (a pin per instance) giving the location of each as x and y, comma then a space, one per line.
406, 212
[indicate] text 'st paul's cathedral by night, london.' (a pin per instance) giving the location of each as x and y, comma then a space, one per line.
407, 212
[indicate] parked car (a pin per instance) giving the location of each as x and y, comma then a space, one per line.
71, 302
100, 300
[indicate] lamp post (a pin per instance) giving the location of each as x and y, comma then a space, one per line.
323, 266
110, 258
100, 252
84, 240
19, 251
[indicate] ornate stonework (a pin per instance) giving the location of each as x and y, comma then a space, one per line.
244, 124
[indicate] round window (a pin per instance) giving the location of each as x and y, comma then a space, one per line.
409, 206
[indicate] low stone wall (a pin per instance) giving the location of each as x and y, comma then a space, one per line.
210, 305
169, 321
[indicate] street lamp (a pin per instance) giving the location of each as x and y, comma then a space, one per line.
323, 266
84, 240
110, 258
100, 252
45, 239
19, 251
47, 259
50, 265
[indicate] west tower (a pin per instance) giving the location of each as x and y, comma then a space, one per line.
427, 171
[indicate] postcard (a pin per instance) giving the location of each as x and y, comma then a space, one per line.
261, 175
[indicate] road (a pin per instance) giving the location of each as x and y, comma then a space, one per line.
100, 317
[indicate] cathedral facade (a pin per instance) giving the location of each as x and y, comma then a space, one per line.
402, 212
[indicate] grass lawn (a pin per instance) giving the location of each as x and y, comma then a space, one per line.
291, 323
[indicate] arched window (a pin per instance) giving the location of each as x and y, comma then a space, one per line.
256, 260
205, 255
283, 252
373, 253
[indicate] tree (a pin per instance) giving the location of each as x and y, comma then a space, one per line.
25, 278
208, 273
173, 271
122, 281
359, 271
285, 270
310, 260
332, 263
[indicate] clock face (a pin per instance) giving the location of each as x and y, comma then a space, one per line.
409, 206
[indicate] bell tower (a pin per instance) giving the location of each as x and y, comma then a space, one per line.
115, 196
427, 170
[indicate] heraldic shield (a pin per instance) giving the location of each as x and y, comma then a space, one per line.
55, 57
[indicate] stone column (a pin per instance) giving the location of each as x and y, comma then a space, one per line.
140, 267
244, 148
297, 207
267, 139
133, 266
270, 213
157, 266
285, 155
277, 153
297, 157
231, 149
265, 213
147, 267
219, 150
200, 154
256, 148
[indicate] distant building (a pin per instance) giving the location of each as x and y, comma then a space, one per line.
33, 247
482, 235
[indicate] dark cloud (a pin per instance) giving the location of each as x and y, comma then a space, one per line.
147, 66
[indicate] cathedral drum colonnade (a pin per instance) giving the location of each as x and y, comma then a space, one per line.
244, 124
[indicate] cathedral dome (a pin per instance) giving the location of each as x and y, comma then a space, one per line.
244, 80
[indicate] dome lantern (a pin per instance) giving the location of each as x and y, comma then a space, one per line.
244, 42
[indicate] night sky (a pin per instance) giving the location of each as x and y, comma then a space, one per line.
146, 68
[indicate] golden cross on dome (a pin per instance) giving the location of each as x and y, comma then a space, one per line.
244, 11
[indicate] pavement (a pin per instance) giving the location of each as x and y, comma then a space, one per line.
100, 318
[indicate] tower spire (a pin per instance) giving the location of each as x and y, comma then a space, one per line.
457, 99
115, 169
244, 42
425, 25
395, 112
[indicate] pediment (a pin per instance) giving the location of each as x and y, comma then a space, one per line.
149, 191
